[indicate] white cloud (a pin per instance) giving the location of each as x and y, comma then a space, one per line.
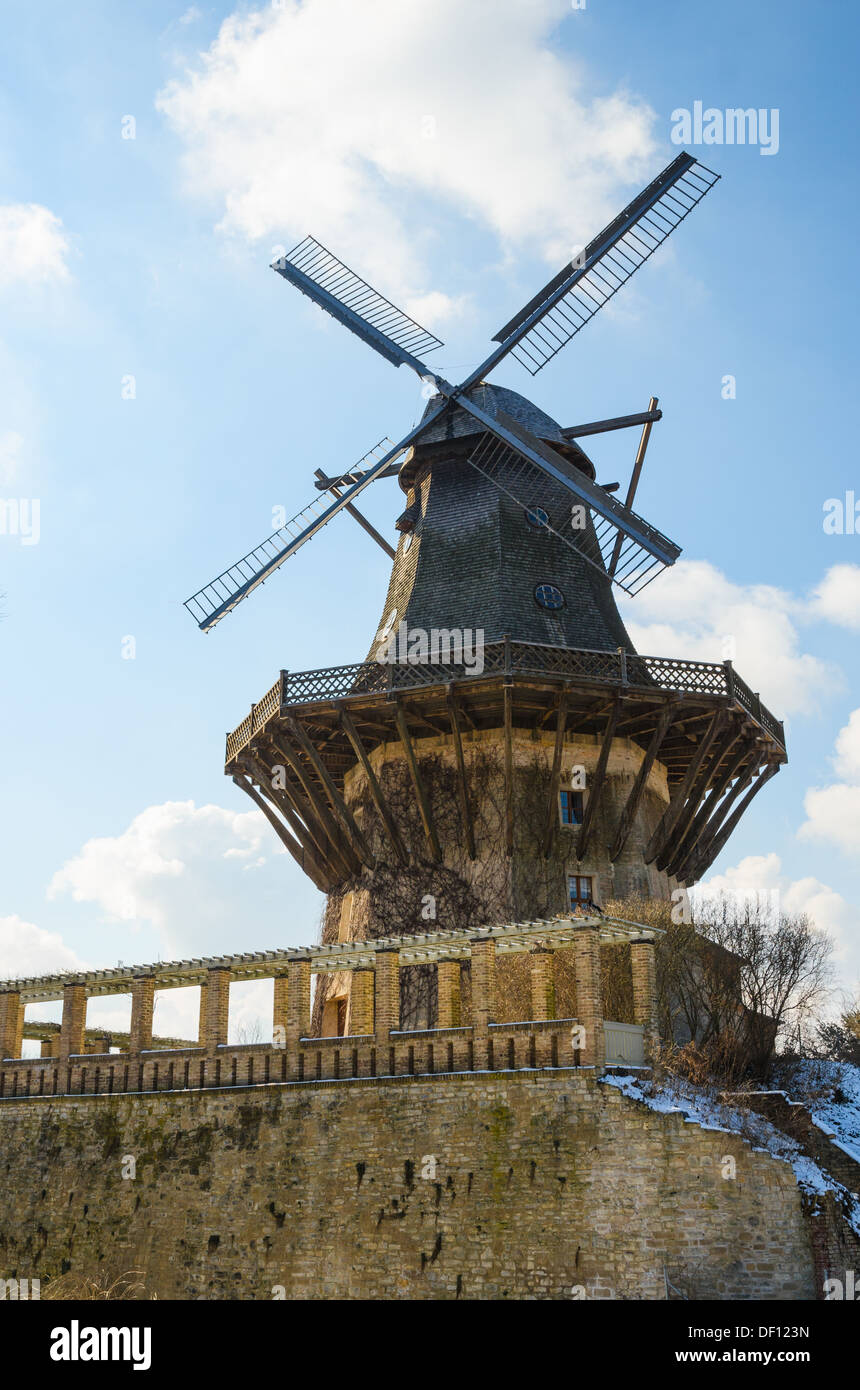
833, 815
837, 598
695, 611
342, 119
182, 869
833, 812
33, 245
760, 878
26, 949
847, 757
10, 460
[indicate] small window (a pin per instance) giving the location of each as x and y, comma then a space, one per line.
548, 596
537, 517
571, 807
407, 541
579, 888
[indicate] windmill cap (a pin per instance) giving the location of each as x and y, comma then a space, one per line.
493, 400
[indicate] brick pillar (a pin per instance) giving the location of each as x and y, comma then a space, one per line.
55, 1044
201, 1017
73, 1026
361, 1001
280, 996
19, 1031
448, 994
589, 995
10, 1004
483, 999
45, 1048
298, 1011
217, 1006
142, 1006
386, 994
541, 960
643, 959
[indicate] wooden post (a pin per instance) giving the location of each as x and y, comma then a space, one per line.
551, 822
417, 784
632, 806
463, 786
379, 801
507, 696
596, 788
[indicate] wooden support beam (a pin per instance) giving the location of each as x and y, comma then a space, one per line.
551, 822
617, 422
712, 814
507, 697
281, 801
669, 819
702, 801
304, 861
375, 790
651, 414
335, 489
675, 841
625, 825
713, 827
340, 847
596, 789
417, 784
717, 845
293, 794
462, 784
339, 806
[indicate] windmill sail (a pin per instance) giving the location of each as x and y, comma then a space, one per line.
355, 304
573, 297
216, 599
518, 463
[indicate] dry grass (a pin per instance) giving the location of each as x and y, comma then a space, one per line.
102, 1288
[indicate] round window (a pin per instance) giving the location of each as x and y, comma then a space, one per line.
548, 596
537, 517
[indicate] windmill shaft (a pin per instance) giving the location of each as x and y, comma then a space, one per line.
652, 413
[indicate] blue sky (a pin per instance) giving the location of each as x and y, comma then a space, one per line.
456, 186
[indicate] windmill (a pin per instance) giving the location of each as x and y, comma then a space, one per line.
425, 778
625, 546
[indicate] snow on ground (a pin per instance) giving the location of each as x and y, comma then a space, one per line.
831, 1093
704, 1107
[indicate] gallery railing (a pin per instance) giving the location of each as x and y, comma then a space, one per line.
505, 658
